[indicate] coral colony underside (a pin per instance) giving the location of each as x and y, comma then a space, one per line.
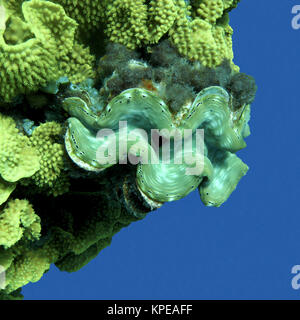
123, 105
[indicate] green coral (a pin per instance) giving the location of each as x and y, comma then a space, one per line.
15, 295
199, 31
202, 38
19, 226
27, 266
131, 23
50, 51
18, 159
161, 16
72, 241
16, 31
89, 14
6, 188
18, 220
51, 155
210, 10
38, 157
126, 22
193, 30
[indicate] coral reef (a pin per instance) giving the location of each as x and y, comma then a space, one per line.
83, 85
199, 31
50, 175
43, 49
18, 158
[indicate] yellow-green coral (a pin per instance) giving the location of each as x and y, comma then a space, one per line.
201, 39
18, 220
195, 33
87, 13
210, 10
77, 64
193, 30
27, 65
51, 153
2, 17
16, 31
39, 157
27, 266
132, 23
230, 4
20, 225
127, 22
50, 52
17, 158
6, 188
161, 16
68, 245
12, 6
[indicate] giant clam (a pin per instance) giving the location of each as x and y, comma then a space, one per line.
123, 128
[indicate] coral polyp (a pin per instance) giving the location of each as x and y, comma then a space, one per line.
124, 105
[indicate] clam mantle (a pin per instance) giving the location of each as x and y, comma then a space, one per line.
224, 133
